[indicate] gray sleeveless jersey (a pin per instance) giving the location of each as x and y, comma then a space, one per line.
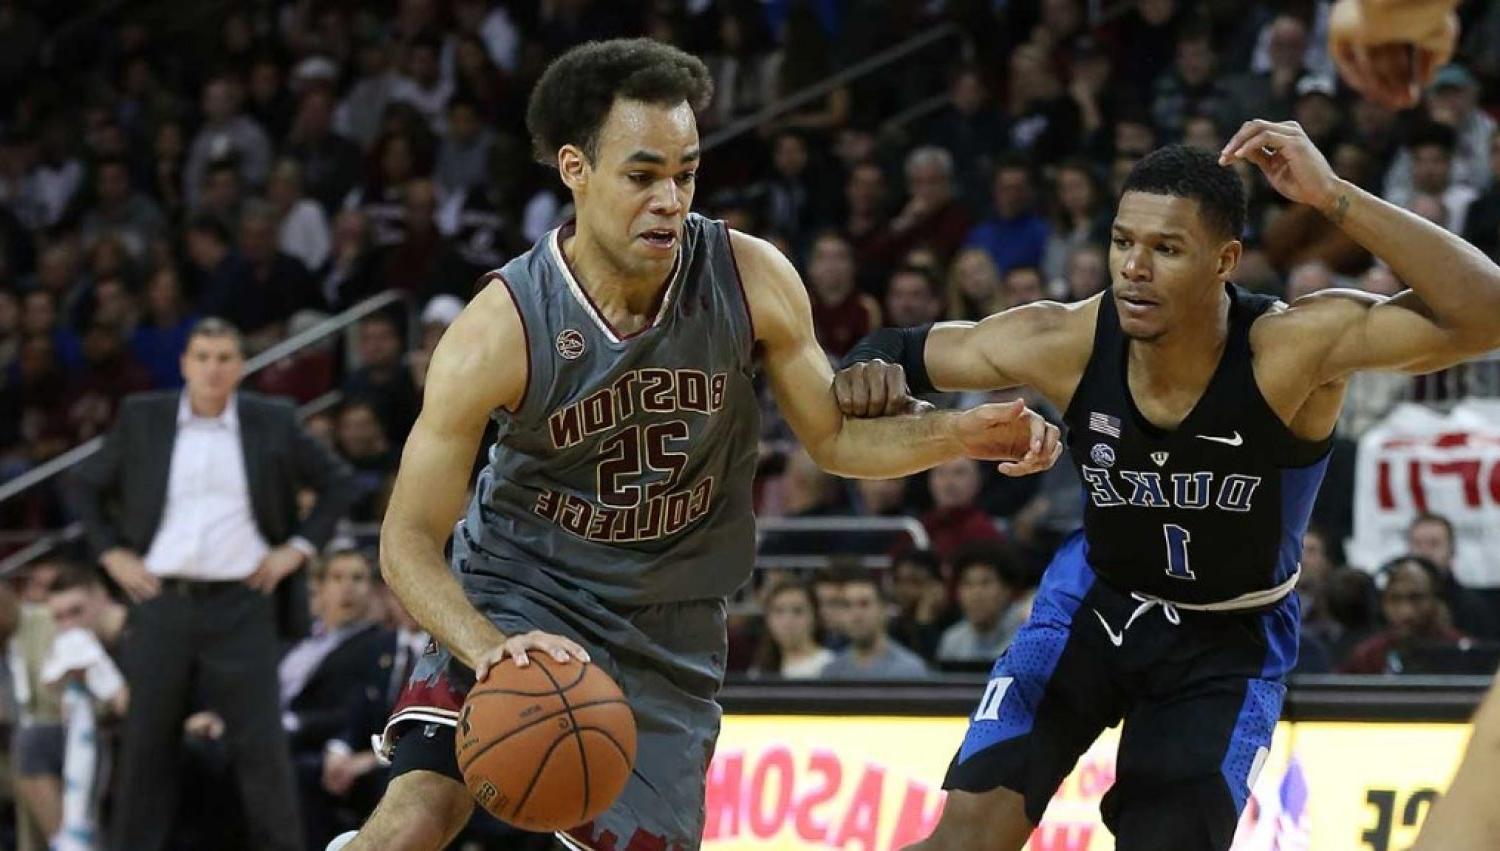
626, 470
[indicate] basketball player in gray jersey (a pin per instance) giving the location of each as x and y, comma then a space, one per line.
614, 516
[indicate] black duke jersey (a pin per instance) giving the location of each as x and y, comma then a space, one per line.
1204, 513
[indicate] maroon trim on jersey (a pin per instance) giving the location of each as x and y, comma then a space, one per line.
656, 312
526, 334
740, 280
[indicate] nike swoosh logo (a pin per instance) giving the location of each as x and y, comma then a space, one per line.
1236, 440
1115, 638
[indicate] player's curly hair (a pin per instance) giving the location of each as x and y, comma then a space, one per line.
1187, 172
575, 93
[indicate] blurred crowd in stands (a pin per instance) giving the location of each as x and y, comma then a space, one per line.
276, 162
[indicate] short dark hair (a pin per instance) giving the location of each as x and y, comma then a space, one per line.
213, 326
211, 225
934, 288
994, 556
71, 574
574, 95
1386, 571
870, 578
925, 560
1185, 172
1432, 134
1429, 517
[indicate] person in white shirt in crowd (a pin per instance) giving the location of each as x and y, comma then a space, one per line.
191, 506
790, 648
226, 133
1431, 150
304, 232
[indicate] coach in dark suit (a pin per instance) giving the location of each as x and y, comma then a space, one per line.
191, 506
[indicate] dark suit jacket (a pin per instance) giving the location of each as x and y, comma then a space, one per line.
323, 705
119, 494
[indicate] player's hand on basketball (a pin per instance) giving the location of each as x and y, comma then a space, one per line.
1290, 161
874, 388
1389, 50
130, 573
1008, 432
518, 646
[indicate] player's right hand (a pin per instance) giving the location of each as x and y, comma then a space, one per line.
1389, 50
874, 388
518, 646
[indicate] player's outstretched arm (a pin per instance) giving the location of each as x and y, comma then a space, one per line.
480, 364
802, 380
1452, 311
1466, 818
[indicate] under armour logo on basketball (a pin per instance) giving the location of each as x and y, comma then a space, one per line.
570, 344
463, 721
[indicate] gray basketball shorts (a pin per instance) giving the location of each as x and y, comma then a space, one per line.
668, 660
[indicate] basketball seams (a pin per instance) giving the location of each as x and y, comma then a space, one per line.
535, 721
557, 689
612, 740
583, 756
541, 765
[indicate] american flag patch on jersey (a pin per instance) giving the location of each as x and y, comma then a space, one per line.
1104, 424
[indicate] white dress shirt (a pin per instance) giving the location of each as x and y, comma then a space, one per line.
207, 530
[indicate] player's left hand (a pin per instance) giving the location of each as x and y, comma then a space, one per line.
1390, 50
1008, 432
276, 566
1288, 158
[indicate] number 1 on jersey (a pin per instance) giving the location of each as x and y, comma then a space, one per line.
1177, 554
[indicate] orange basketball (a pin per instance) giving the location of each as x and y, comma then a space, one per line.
546, 747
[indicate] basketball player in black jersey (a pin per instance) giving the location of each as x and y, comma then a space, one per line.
1199, 416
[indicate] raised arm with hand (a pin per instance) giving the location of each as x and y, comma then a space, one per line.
802, 380
1450, 314
480, 365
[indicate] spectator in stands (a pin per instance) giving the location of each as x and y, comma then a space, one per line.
1022, 285
274, 285
423, 262
1080, 217
352, 272
330, 163
159, 340
120, 211
989, 581
464, 155
1317, 110
1271, 93
359, 114
1043, 123
955, 517
967, 129
360, 438
1014, 236
866, 221
841, 313
1430, 150
45, 428
351, 772
1483, 225
321, 674
222, 192
973, 286
59, 272
921, 598
37, 740
1431, 537
1143, 40
833, 608
932, 218
165, 178
215, 267
795, 201
173, 463
789, 648
267, 100
1413, 614
1203, 132
422, 82
382, 378
1087, 273
226, 131
1318, 567
303, 232
1453, 101
872, 654
1191, 87
912, 297
382, 197
110, 373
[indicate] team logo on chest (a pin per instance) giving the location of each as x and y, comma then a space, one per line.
570, 344
1103, 455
